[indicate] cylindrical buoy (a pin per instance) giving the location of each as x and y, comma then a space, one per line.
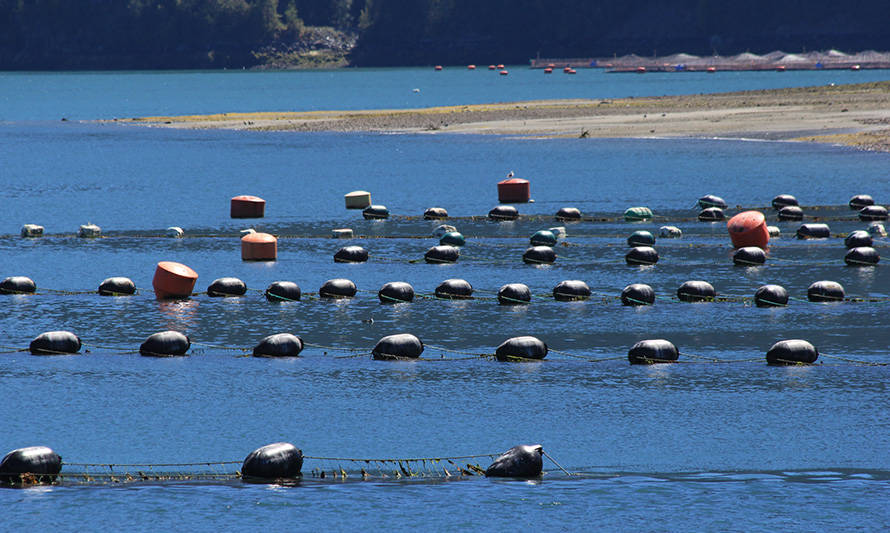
748, 228
375, 212
571, 290
173, 280
259, 246
783, 200
442, 229
396, 292
790, 212
279, 345
89, 231
709, 200
641, 255
223, 287
543, 237
17, 285
396, 347
513, 191
358, 199
749, 256
435, 213
711, 214
861, 200
442, 254
637, 294
523, 461
283, 291
825, 291
514, 294
55, 343
670, 232
771, 296
641, 238
174, 232
696, 291
539, 255
29, 466
351, 254
453, 238
117, 286
568, 214
653, 351
337, 288
246, 206
858, 238
503, 212
873, 212
454, 289
813, 231
165, 344
862, 256
637, 214
281, 460
792, 352
32, 231
520, 348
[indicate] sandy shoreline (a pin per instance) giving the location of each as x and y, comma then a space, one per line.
855, 115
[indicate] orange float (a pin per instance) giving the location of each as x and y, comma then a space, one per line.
471, 67
248, 207
259, 247
173, 280
438, 67
548, 70
503, 72
748, 228
513, 190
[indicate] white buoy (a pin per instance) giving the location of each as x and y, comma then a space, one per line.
247, 231
559, 231
358, 200
89, 231
175, 232
876, 229
670, 232
32, 230
441, 230
342, 233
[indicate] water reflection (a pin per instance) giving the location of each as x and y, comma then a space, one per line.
180, 315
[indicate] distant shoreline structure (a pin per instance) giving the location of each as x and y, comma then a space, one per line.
778, 60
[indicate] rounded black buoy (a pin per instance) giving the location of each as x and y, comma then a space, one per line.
223, 287
696, 291
514, 294
709, 200
442, 254
283, 291
825, 291
571, 290
395, 347
711, 214
568, 214
653, 351
279, 345
454, 289
861, 200
503, 212
637, 294
337, 288
858, 238
790, 212
165, 344
771, 296
784, 200
519, 348
117, 286
749, 256
17, 285
396, 292
641, 238
873, 212
862, 256
29, 466
813, 231
641, 255
524, 461
281, 460
792, 352
539, 255
55, 343
435, 213
375, 212
351, 254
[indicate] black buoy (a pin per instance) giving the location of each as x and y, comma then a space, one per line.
709, 200
771, 296
544, 237
224, 287
862, 256
351, 254
281, 460
396, 292
17, 285
442, 254
784, 200
375, 212
454, 289
279, 345
503, 212
653, 351
641, 238
813, 231
696, 291
670, 232
711, 214
861, 200
396, 347
641, 255
825, 291
283, 291
520, 348
792, 352
337, 288
514, 294
637, 294
29, 466
117, 286
790, 212
55, 343
165, 344
749, 256
539, 255
524, 461
568, 214
873, 212
858, 238
571, 290
435, 213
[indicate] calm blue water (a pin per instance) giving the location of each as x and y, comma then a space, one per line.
738, 446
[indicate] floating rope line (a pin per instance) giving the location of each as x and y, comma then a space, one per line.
855, 361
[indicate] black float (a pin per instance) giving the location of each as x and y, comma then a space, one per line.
749, 256
861, 200
117, 286
792, 352
711, 214
454, 289
825, 291
396, 292
503, 212
17, 285
771, 296
783, 200
571, 290
226, 287
709, 200
514, 294
337, 288
568, 214
520, 348
55, 343
435, 213
696, 291
862, 256
525, 461
637, 294
351, 254
279, 345
858, 238
283, 291
813, 231
442, 254
279, 461
873, 212
790, 212
30, 466
165, 344
396, 347
375, 212
641, 255
641, 238
539, 255
653, 351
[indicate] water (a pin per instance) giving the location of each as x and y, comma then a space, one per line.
739, 446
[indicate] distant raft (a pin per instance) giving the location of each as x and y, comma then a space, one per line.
17, 285
514, 294
637, 294
749, 256
29, 466
524, 462
748, 228
539, 255
226, 287
792, 352
571, 290
862, 256
813, 231
442, 254
641, 238
278, 461
165, 344
709, 200
653, 351
337, 288
435, 213
454, 289
283, 291
641, 255
783, 200
771, 296
637, 214
351, 254
857, 239
357, 199
696, 291
396, 292
55, 343
520, 348
544, 237
825, 291
375, 212
279, 345
568, 214
861, 200
503, 212
790, 212
873, 212
397, 347
117, 286
711, 214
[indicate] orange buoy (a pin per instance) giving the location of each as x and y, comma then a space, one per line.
438, 67
780, 68
491, 67
513, 190
571, 71
500, 66
503, 73
551, 65
748, 228
548, 70
259, 247
471, 67
641, 70
173, 280
712, 70
855, 67
566, 68
248, 207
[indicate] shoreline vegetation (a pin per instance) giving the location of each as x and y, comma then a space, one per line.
856, 115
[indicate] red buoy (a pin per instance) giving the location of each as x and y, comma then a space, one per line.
491, 67
173, 280
248, 207
500, 66
259, 247
503, 73
438, 67
641, 70
513, 190
571, 71
548, 70
551, 65
471, 67
712, 70
748, 228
